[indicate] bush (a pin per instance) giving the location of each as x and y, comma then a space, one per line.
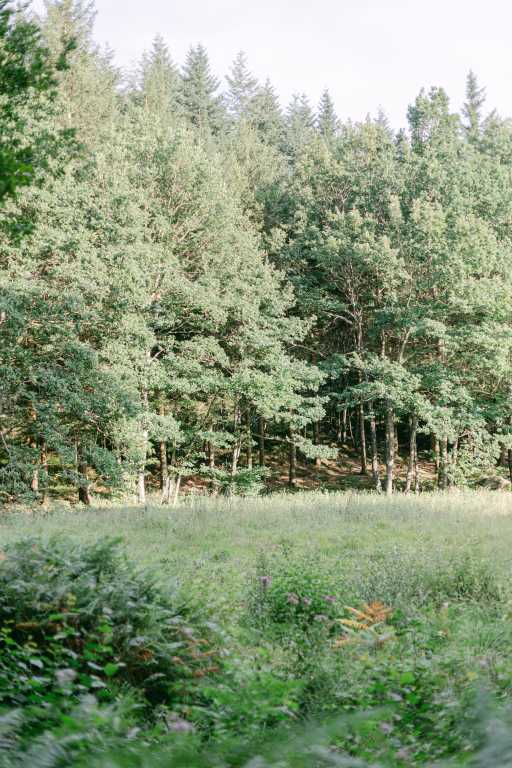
292, 591
79, 620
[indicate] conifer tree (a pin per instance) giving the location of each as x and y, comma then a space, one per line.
159, 77
199, 91
300, 123
472, 109
327, 119
87, 88
242, 87
266, 115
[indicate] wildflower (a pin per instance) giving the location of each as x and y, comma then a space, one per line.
321, 617
329, 598
65, 676
292, 598
265, 581
306, 601
178, 725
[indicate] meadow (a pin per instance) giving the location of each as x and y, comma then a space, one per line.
344, 629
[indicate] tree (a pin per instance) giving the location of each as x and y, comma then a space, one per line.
200, 101
472, 109
27, 87
327, 119
159, 78
300, 122
266, 115
242, 88
87, 95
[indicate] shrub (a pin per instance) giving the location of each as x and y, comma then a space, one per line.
292, 591
79, 620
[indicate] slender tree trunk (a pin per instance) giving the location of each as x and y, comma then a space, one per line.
503, 456
84, 495
177, 486
375, 455
164, 473
237, 446
352, 438
412, 465
442, 477
261, 442
396, 444
436, 451
43, 460
344, 427
141, 473
362, 441
509, 456
249, 439
390, 449
316, 441
34, 485
292, 458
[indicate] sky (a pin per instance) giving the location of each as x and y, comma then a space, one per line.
369, 53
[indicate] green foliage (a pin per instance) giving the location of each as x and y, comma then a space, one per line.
79, 621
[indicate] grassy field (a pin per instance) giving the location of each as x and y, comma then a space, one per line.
336, 604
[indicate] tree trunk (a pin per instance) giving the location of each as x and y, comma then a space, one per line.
510, 464
375, 455
344, 427
390, 449
412, 466
163, 464
362, 441
442, 477
292, 474
316, 441
141, 473
177, 486
45, 491
84, 495
396, 444
503, 456
237, 446
249, 439
34, 485
435, 449
261, 442
352, 438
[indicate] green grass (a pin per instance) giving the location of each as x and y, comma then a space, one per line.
441, 562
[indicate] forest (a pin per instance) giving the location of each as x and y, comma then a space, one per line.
211, 303
197, 276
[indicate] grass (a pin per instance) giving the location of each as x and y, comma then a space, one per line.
441, 562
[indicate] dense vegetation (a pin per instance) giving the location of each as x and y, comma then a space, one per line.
190, 276
308, 630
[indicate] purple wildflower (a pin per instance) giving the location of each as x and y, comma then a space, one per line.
265, 581
329, 598
306, 601
293, 599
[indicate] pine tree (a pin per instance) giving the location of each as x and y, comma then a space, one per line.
159, 77
472, 109
327, 120
199, 98
87, 88
242, 87
300, 122
266, 115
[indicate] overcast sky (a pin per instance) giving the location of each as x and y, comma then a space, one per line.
369, 53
